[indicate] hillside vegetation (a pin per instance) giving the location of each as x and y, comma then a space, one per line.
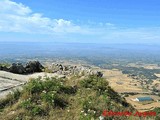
63, 99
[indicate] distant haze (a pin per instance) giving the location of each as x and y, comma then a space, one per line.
44, 50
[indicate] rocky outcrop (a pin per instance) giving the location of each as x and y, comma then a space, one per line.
157, 87
64, 70
99, 74
4, 68
73, 70
33, 66
18, 68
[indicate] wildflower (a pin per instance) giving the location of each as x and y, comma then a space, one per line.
94, 112
68, 110
54, 92
89, 102
101, 118
89, 110
44, 91
82, 111
85, 114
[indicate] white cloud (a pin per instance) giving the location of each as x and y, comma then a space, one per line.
9, 7
66, 26
15, 17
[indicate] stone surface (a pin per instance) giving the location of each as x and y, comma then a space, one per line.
18, 68
33, 66
73, 70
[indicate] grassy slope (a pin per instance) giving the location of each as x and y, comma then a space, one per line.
63, 99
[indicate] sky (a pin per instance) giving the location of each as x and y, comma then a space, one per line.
82, 21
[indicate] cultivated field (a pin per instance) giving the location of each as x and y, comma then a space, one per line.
122, 83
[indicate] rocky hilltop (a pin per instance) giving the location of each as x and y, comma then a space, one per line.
17, 74
60, 69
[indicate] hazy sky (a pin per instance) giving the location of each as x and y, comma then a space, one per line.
97, 21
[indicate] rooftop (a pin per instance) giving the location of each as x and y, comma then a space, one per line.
145, 99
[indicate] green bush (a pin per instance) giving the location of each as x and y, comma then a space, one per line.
49, 97
96, 83
44, 91
34, 86
36, 110
26, 104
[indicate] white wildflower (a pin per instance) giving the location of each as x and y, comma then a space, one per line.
44, 91
101, 118
61, 83
82, 111
85, 114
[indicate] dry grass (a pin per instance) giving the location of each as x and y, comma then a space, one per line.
115, 76
143, 106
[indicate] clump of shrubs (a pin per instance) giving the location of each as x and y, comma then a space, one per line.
40, 95
97, 83
43, 96
46, 91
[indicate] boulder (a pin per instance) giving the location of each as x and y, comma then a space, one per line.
33, 66
4, 68
60, 67
17, 68
99, 74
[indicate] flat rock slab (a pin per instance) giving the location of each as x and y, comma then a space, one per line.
7, 83
10, 81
